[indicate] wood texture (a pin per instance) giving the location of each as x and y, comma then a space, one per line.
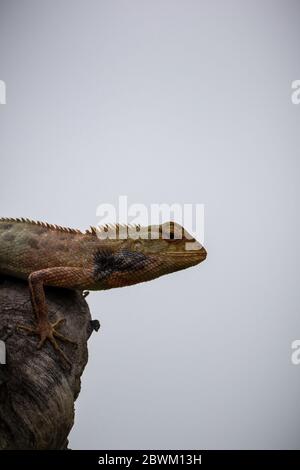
37, 390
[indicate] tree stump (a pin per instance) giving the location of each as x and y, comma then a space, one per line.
37, 389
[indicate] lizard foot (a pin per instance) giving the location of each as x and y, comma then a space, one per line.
47, 331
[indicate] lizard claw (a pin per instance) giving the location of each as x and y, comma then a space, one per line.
47, 331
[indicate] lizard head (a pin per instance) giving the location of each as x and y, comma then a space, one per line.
148, 253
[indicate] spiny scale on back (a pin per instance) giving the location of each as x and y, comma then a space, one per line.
10, 220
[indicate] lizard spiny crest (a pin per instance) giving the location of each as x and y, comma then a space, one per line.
91, 231
40, 224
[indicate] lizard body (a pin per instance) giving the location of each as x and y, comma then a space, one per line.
46, 254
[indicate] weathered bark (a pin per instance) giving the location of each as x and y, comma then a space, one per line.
37, 390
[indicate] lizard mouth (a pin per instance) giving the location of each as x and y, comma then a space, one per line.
193, 255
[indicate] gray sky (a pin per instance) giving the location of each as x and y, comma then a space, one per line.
169, 101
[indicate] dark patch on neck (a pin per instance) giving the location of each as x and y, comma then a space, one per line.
107, 262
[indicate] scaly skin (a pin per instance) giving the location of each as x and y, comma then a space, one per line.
48, 255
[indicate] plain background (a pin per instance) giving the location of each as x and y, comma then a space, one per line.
169, 101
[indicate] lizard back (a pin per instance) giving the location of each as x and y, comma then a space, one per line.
27, 246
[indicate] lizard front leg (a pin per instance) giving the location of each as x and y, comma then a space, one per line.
59, 277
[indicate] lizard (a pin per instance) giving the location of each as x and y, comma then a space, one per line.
44, 254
